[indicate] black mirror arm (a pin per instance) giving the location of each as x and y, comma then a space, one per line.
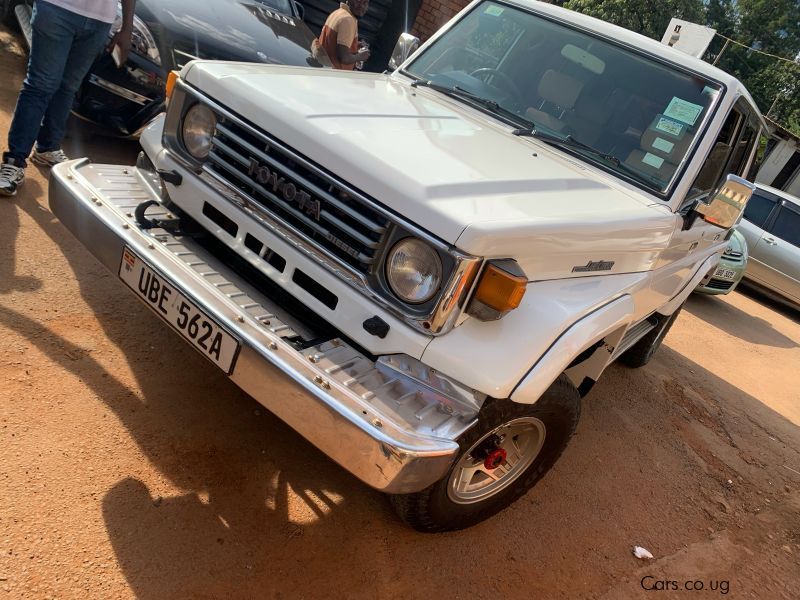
690, 214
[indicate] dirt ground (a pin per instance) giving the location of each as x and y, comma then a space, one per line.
129, 468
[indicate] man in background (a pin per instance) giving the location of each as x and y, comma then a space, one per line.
337, 44
67, 37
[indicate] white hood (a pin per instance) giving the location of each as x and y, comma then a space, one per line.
440, 164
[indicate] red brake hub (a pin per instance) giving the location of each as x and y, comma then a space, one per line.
495, 458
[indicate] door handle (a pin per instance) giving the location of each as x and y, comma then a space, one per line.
771, 241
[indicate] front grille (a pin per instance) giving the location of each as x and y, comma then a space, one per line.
310, 202
733, 255
719, 284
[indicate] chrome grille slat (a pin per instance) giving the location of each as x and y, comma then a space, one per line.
241, 159
376, 227
292, 190
304, 219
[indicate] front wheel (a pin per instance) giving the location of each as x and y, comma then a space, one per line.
510, 448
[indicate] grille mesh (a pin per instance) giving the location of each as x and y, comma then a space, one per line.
309, 201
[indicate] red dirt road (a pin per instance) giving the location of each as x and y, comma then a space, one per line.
130, 468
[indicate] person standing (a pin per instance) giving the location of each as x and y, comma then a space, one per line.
337, 44
67, 37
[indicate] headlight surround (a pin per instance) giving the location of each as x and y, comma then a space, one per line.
413, 271
198, 130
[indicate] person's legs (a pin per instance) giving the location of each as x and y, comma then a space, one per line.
53, 32
86, 46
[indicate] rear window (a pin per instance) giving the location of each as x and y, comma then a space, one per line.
759, 208
787, 226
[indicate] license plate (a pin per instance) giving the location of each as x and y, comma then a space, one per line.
200, 330
724, 273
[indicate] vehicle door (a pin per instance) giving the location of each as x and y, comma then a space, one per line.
779, 252
759, 212
732, 153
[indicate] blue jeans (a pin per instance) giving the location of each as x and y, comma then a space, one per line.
64, 46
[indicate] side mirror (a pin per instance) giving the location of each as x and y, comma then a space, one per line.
405, 47
300, 10
727, 203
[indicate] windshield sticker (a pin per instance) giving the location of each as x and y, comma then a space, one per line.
494, 10
683, 111
669, 126
663, 145
709, 91
653, 160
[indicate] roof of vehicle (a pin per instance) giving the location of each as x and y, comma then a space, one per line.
641, 42
780, 193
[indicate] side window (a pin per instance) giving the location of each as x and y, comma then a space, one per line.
743, 149
712, 171
761, 154
758, 209
787, 226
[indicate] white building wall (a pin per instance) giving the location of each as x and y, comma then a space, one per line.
776, 160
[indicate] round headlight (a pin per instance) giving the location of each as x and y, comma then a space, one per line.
414, 271
198, 130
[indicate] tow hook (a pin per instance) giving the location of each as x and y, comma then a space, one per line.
495, 458
171, 224
491, 453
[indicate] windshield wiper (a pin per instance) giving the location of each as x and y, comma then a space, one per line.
459, 92
571, 142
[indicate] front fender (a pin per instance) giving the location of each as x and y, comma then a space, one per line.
705, 268
493, 357
612, 317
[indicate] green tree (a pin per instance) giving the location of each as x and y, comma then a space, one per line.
648, 17
772, 27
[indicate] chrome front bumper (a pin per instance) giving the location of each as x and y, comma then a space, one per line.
391, 423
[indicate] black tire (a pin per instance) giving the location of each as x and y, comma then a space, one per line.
433, 510
642, 351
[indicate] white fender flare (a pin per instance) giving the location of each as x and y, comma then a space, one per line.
583, 333
671, 306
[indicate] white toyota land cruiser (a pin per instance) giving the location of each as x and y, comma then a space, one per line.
444, 259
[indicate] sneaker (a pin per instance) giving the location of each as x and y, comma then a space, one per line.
48, 159
11, 177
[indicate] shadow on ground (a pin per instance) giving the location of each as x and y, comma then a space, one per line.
733, 320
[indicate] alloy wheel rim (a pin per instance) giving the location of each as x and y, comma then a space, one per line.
476, 477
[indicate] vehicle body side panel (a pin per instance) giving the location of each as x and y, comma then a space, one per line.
756, 269
507, 349
778, 263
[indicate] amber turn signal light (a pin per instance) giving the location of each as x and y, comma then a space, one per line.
499, 290
172, 79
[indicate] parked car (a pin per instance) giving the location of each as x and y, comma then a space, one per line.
771, 226
730, 270
443, 259
166, 35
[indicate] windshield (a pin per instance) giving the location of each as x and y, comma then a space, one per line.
627, 112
